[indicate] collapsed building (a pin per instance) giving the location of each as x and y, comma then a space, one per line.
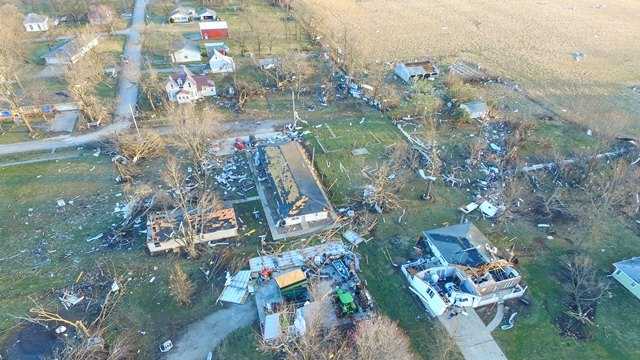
410, 72
461, 270
283, 295
166, 230
294, 196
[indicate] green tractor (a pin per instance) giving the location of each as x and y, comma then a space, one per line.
345, 302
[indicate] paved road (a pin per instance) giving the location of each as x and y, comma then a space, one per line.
472, 336
205, 335
127, 97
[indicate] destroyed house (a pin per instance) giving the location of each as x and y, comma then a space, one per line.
295, 192
166, 230
461, 270
409, 72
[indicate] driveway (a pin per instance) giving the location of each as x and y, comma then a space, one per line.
472, 336
205, 335
127, 97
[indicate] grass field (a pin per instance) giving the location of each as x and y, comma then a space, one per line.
531, 42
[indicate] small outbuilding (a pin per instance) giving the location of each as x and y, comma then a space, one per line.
475, 109
207, 15
214, 30
185, 52
182, 14
410, 72
34, 22
627, 273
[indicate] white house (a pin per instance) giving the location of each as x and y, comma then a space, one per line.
186, 52
185, 87
220, 63
208, 15
627, 273
71, 51
182, 14
34, 22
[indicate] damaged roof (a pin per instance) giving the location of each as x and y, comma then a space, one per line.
461, 244
631, 267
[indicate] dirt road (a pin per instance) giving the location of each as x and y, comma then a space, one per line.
204, 335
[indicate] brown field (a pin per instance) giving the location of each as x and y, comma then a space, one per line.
530, 42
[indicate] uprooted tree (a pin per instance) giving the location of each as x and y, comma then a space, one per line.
583, 288
90, 339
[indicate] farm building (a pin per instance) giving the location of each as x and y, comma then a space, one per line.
185, 87
72, 51
214, 30
410, 72
100, 14
182, 14
34, 22
220, 63
207, 15
297, 196
185, 52
166, 230
461, 270
627, 273
475, 109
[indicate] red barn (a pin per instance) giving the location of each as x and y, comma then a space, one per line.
214, 30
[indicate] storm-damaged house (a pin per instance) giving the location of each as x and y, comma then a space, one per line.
295, 195
461, 269
410, 72
166, 230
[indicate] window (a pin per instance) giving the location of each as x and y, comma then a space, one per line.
617, 272
430, 292
633, 284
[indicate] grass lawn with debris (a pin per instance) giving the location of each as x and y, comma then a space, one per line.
46, 248
615, 335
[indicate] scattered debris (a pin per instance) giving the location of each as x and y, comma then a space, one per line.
352, 237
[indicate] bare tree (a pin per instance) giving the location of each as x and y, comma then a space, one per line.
13, 56
180, 286
153, 87
83, 78
195, 129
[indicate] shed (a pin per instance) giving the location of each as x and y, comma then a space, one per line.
410, 72
207, 15
34, 22
182, 14
214, 30
627, 273
476, 109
